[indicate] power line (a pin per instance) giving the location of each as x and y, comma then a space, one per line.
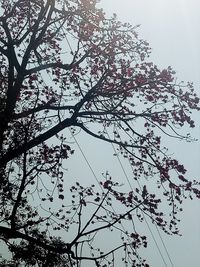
90, 167
165, 248
154, 239
167, 252
126, 176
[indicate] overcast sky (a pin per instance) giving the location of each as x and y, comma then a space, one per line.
172, 27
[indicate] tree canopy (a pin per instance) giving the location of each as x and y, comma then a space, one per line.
66, 66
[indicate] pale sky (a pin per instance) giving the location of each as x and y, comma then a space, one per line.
172, 27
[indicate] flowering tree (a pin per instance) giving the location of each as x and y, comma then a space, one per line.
64, 65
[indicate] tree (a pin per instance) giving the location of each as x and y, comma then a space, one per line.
64, 65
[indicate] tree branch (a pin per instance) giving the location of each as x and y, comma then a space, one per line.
13, 153
40, 108
9, 233
112, 223
101, 137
